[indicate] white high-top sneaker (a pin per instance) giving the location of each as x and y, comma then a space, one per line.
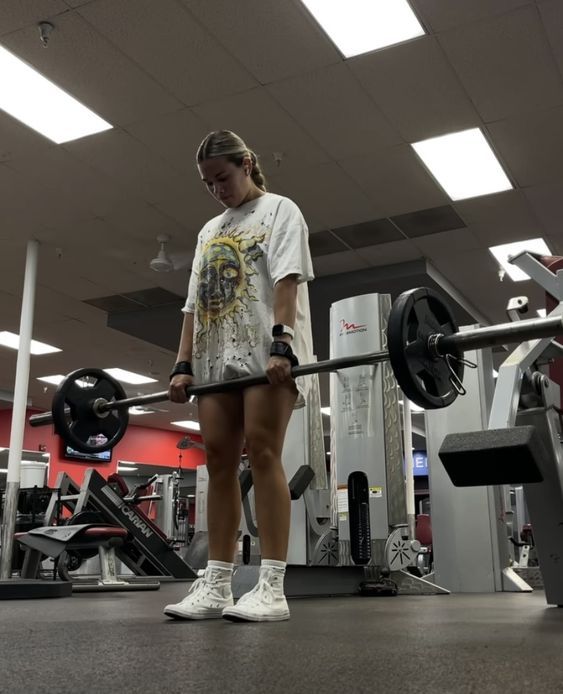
264, 603
207, 598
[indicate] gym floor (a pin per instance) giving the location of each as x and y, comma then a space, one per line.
121, 642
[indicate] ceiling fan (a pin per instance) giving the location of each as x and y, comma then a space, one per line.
165, 261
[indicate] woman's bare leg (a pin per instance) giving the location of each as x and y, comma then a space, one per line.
267, 410
221, 421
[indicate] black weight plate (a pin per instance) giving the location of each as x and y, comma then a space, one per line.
73, 411
424, 379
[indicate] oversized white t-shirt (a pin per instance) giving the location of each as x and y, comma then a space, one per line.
240, 255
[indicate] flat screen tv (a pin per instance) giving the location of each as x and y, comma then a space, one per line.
102, 457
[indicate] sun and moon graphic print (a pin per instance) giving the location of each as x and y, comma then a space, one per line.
226, 290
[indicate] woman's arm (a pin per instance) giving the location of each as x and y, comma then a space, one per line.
285, 304
179, 382
186, 338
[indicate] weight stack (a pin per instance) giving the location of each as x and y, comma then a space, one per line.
365, 424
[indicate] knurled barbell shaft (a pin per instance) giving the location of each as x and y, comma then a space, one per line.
261, 379
518, 331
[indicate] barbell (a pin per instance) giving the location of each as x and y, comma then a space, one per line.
90, 408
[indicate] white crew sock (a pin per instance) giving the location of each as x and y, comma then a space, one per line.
274, 572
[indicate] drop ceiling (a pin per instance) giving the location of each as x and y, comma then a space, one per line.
333, 134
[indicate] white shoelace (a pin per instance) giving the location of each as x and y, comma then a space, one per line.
262, 592
201, 589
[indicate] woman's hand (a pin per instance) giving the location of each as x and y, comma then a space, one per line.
278, 370
177, 387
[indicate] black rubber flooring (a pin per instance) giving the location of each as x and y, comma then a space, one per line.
121, 642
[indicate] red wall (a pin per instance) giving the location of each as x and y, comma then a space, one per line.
140, 445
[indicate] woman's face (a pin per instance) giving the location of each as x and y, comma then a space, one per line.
227, 182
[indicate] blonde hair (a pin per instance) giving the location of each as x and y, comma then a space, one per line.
224, 143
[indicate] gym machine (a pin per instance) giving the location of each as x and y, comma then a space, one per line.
108, 507
424, 347
521, 443
367, 475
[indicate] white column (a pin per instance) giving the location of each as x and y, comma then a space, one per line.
19, 409
409, 467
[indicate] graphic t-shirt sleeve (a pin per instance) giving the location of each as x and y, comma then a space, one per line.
194, 279
288, 252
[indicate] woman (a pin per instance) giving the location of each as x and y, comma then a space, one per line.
247, 312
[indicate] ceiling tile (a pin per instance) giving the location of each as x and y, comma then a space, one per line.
17, 140
116, 303
272, 39
505, 64
15, 194
395, 181
555, 244
153, 297
138, 220
551, 12
191, 209
547, 204
531, 145
15, 14
119, 156
69, 184
133, 25
173, 136
390, 253
338, 262
432, 221
325, 243
265, 127
499, 218
447, 242
369, 233
96, 73
354, 125
416, 88
441, 15
488, 294
325, 193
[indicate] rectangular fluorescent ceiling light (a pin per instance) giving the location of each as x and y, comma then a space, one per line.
41, 105
129, 377
508, 250
463, 163
58, 378
52, 380
187, 424
360, 26
8, 339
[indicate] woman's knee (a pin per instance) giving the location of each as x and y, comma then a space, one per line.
262, 453
221, 461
